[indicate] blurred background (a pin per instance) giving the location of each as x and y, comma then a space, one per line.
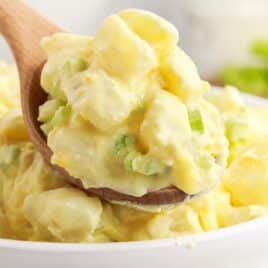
228, 39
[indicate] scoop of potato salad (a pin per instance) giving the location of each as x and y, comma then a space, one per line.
141, 121
126, 109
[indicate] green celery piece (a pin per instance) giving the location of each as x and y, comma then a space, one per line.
206, 161
62, 116
129, 159
46, 128
56, 92
73, 66
147, 164
48, 110
196, 122
124, 144
133, 160
236, 130
69, 68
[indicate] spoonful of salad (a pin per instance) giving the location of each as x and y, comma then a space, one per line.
121, 114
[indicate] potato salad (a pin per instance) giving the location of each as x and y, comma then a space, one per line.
127, 110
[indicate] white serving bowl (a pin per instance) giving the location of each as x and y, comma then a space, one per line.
240, 246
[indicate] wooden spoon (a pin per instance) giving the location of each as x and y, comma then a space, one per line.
23, 29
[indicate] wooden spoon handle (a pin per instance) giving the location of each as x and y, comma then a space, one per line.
22, 27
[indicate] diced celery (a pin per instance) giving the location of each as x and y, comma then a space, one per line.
236, 130
128, 161
135, 161
73, 66
195, 119
56, 91
46, 128
48, 110
141, 105
147, 165
124, 144
62, 116
206, 161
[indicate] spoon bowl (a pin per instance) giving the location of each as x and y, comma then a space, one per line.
37, 96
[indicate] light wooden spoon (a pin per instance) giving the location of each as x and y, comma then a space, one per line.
23, 28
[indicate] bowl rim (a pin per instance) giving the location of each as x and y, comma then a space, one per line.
180, 241
185, 241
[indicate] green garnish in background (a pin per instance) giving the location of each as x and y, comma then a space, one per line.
251, 79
